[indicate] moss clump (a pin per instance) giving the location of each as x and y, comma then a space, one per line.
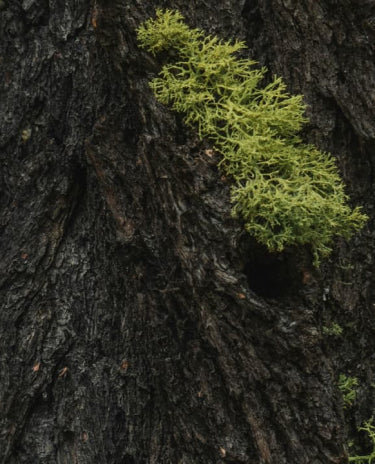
287, 192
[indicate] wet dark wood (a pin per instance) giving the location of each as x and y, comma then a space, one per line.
138, 322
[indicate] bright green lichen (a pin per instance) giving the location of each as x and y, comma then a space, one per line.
348, 386
287, 192
333, 329
369, 428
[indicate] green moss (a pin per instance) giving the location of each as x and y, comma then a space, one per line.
286, 192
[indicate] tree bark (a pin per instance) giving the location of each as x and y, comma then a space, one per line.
139, 322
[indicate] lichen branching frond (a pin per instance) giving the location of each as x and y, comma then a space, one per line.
369, 428
285, 191
167, 31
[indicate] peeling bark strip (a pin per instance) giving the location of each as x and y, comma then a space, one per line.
137, 323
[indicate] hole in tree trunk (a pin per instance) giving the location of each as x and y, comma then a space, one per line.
273, 275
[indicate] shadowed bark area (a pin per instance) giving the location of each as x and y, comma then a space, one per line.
138, 322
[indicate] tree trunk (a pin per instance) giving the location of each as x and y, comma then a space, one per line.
139, 322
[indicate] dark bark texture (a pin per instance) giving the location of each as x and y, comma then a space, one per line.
139, 323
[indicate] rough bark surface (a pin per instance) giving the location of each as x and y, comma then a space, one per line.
139, 323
